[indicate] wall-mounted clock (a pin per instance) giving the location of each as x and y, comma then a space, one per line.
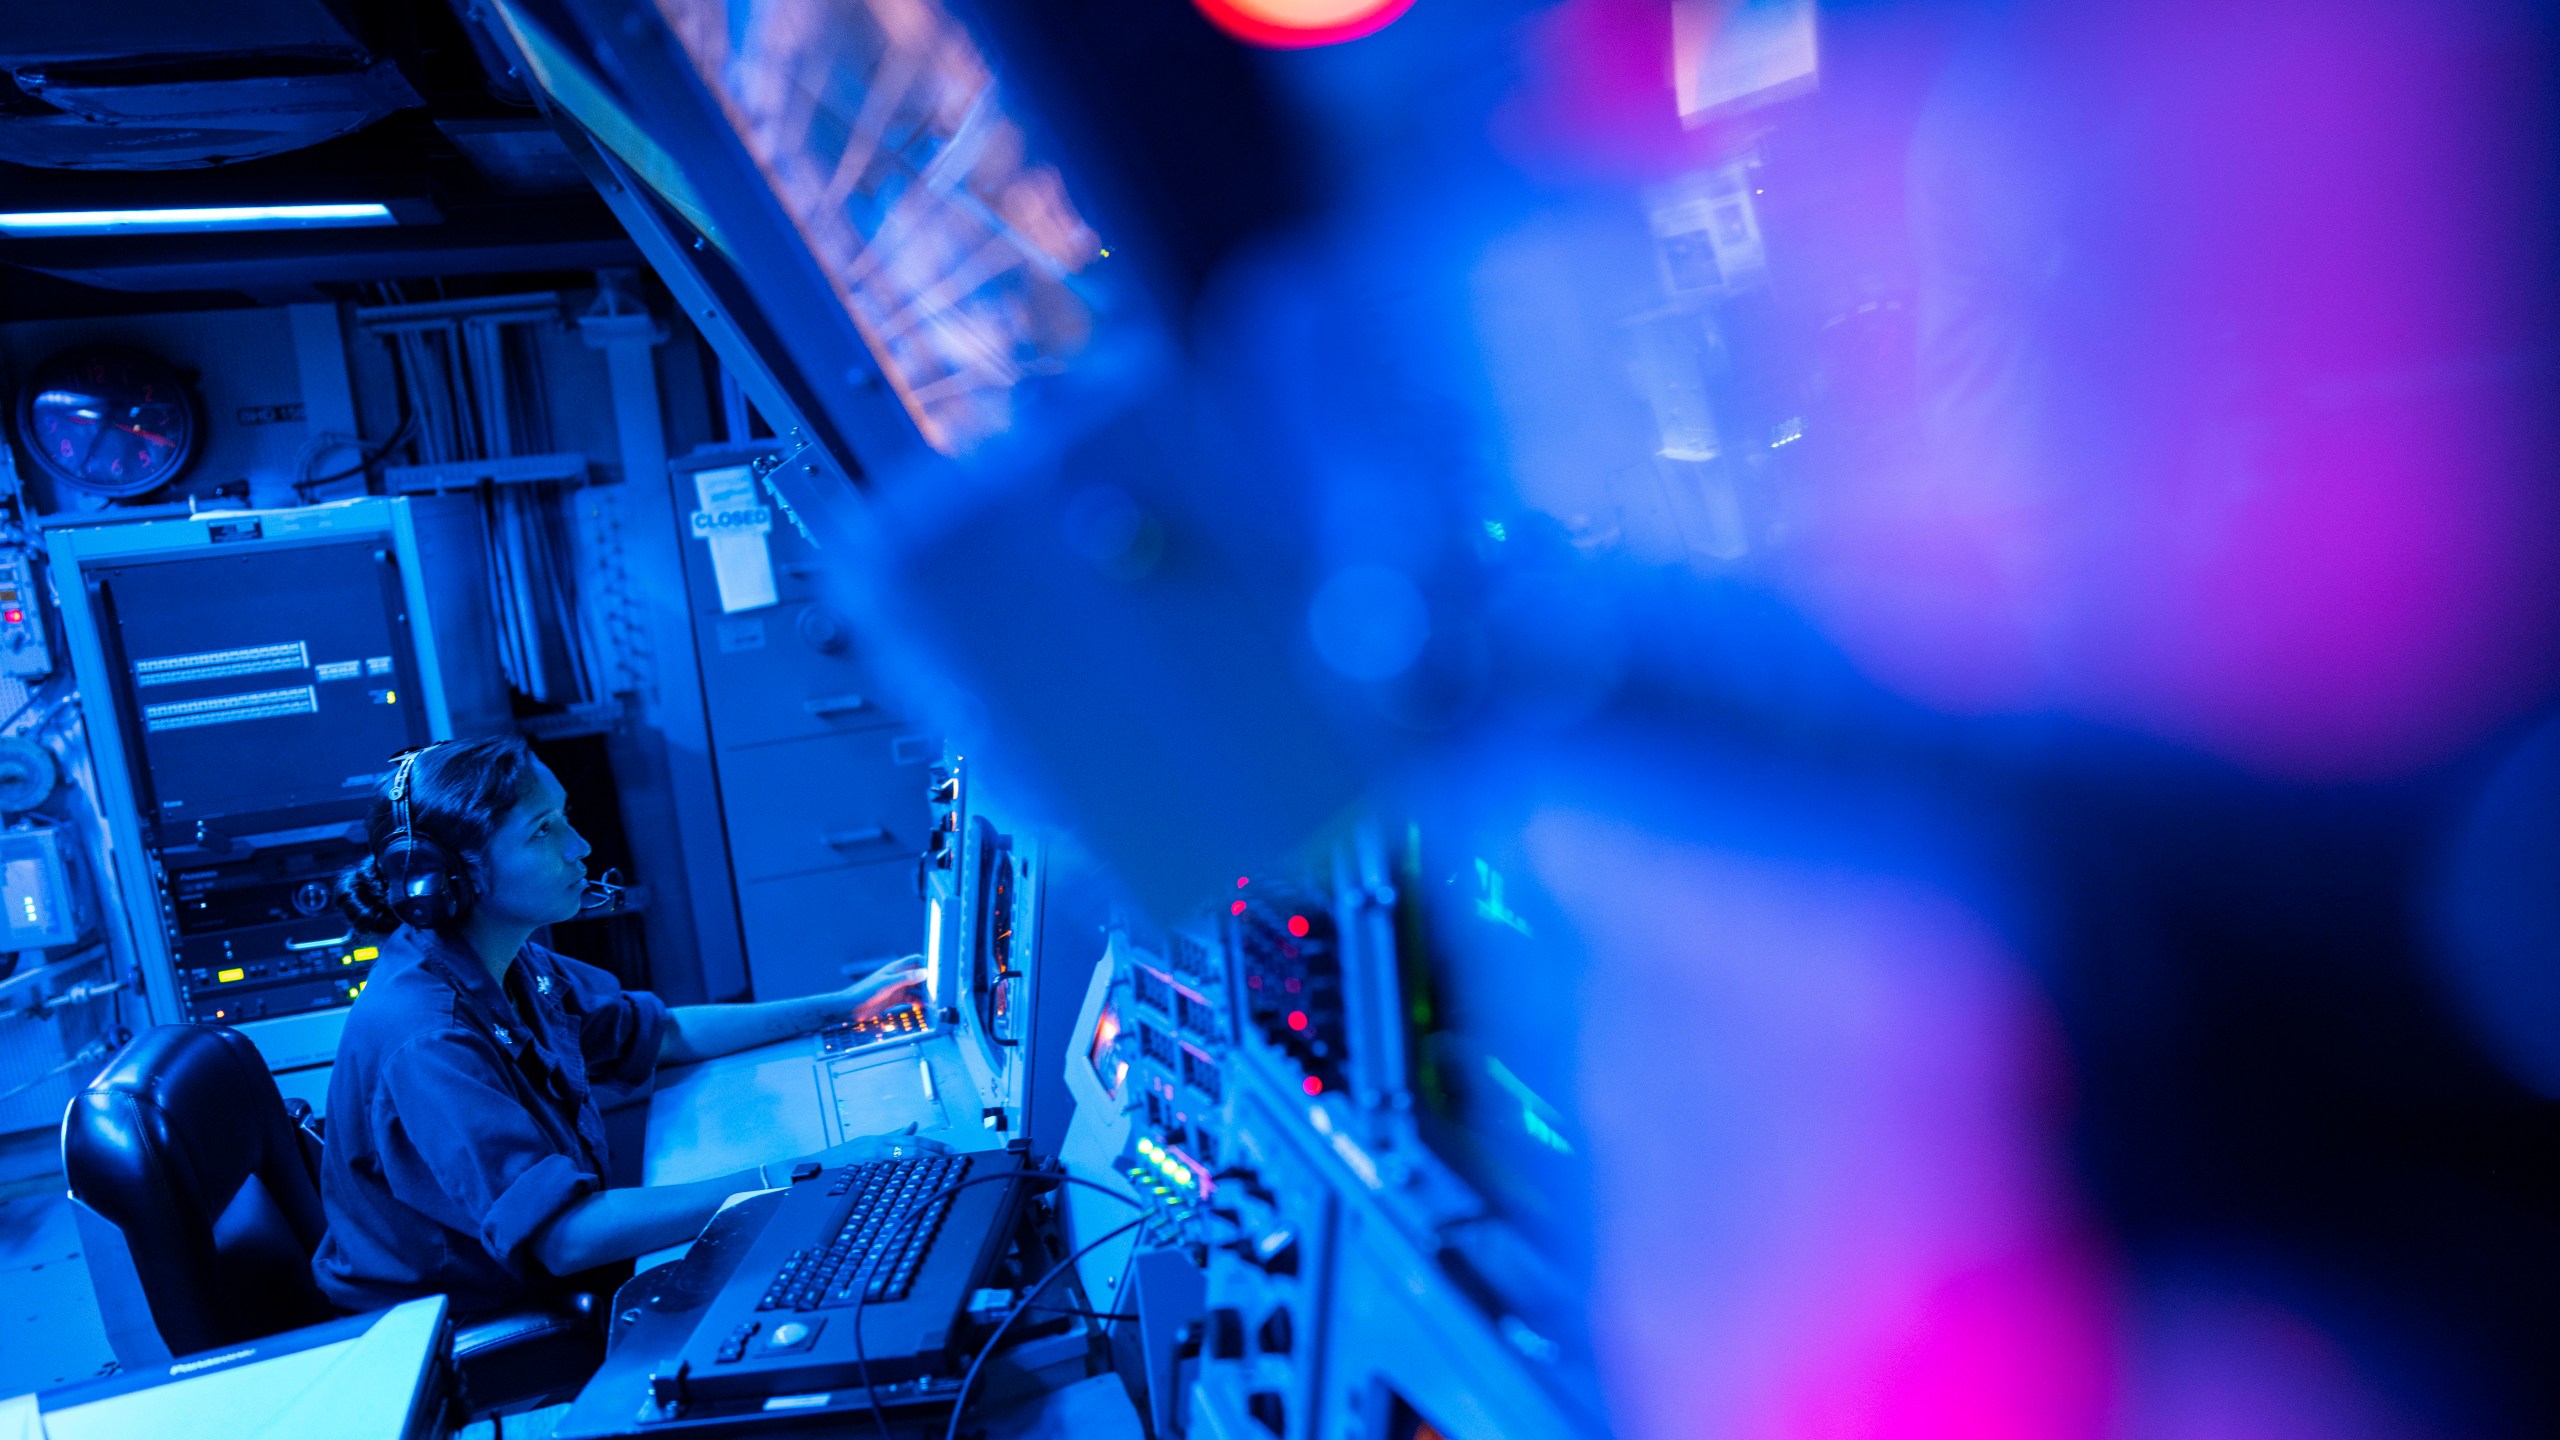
109, 419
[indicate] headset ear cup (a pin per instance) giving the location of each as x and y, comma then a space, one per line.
429, 889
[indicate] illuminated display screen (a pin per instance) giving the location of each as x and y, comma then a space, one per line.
878, 125
33, 891
1490, 1050
1107, 1066
30, 900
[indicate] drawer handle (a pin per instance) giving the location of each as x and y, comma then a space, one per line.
849, 839
835, 704
319, 944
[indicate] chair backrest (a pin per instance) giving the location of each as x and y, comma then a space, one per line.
183, 1145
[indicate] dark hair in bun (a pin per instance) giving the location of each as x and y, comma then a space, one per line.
364, 899
458, 792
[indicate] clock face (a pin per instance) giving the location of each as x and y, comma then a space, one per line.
109, 420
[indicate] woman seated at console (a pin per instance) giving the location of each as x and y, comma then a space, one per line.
467, 1154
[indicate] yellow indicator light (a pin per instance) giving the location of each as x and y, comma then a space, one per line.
225, 977
364, 952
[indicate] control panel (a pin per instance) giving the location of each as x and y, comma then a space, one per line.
1176, 1039
898, 1022
1246, 1076
244, 679
24, 651
1267, 1274
258, 938
1289, 965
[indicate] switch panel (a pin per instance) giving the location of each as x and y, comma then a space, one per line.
23, 649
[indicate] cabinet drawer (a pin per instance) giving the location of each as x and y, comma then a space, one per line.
808, 933
785, 672
822, 804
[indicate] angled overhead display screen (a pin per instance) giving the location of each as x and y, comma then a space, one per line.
959, 257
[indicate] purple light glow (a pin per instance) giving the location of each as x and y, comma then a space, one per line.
1868, 1086
2201, 453
2206, 416
1866, 1230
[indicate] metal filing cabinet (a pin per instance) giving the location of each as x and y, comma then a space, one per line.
821, 786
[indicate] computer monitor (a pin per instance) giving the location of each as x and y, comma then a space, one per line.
263, 684
364, 1377
1491, 1047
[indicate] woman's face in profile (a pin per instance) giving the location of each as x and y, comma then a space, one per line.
535, 864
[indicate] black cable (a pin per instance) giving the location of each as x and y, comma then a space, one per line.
32, 696
1087, 1313
408, 423
960, 1402
862, 1296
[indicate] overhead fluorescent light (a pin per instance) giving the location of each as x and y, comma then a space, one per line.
194, 218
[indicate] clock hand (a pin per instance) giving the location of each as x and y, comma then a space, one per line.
145, 434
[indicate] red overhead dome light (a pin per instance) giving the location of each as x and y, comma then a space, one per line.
1301, 24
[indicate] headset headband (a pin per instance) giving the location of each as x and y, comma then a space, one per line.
428, 899
400, 790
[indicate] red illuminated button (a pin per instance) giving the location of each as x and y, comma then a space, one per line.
1297, 1019
1297, 924
1312, 1085
1299, 24
1236, 909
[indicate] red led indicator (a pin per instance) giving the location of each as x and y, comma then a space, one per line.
1243, 880
1236, 909
1312, 1085
13, 615
1297, 1019
1298, 925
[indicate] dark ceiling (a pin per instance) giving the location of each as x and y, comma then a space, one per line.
456, 145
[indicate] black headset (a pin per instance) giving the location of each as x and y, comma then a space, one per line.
430, 887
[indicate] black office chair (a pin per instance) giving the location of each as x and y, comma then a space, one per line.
198, 1200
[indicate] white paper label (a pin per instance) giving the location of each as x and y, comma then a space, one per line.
733, 522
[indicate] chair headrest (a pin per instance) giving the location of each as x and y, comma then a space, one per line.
188, 1107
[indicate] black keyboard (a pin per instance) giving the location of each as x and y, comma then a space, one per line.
782, 1323
871, 1257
